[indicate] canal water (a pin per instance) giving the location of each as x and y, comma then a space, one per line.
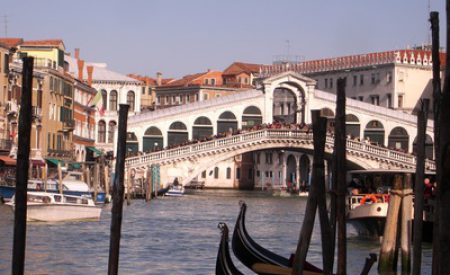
173, 236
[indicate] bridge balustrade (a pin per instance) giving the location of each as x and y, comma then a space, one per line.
272, 134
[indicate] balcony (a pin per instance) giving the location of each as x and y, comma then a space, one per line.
5, 144
68, 126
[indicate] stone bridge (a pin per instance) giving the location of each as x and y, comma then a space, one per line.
187, 162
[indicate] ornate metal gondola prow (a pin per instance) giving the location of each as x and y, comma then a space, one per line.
224, 264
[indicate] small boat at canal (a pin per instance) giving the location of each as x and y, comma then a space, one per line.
224, 264
53, 207
72, 184
368, 202
256, 257
175, 191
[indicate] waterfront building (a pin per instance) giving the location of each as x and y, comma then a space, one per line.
52, 101
192, 88
83, 113
241, 75
115, 89
5, 140
148, 97
395, 79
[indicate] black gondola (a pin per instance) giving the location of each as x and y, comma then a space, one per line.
224, 264
251, 253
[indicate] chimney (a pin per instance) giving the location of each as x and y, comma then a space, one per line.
158, 79
90, 70
77, 53
80, 69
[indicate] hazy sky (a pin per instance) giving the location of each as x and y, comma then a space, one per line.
179, 37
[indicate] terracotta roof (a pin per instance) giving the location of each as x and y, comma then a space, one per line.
150, 80
11, 42
239, 67
48, 42
185, 81
419, 57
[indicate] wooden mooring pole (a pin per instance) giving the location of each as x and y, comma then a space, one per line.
23, 155
437, 97
118, 190
444, 173
422, 118
397, 229
339, 175
319, 132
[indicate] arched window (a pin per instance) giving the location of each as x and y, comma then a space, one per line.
101, 131
228, 173
227, 122
130, 100
111, 131
104, 99
216, 172
113, 100
251, 117
152, 140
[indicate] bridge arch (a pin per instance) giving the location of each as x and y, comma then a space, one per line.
352, 126
226, 121
374, 131
291, 171
398, 139
177, 133
284, 105
202, 128
329, 114
153, 139
429, 147
132, 144
251, 116
305, 170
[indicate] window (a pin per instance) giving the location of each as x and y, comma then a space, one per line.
388, 77
250, 174
400, 101
238, 173
326, 83
360, 98
389, 100
331, 83
258, 173
158, 99
213, 81
188, 99
173, 99
130, 100
375, 99
257, 158
355, 80
101, 131
228, 173
361, 80
205, 96
269, 158
143, 90
216, 172
204, 174
196, 97
167, 100
112, 101
111, 131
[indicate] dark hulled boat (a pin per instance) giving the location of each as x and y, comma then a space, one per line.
224, 264
251, 253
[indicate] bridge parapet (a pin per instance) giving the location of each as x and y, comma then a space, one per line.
354, 147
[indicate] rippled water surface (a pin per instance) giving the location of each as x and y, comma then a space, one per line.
172, 236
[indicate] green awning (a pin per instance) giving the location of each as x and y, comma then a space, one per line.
75, 165
95, 150
54, 162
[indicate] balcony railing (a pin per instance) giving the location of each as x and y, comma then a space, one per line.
6, 144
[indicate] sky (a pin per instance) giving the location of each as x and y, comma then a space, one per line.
181, 37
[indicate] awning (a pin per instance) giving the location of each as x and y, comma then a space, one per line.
6, 160
75, 165
54, 162
95, 150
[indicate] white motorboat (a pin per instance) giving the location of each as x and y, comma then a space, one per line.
175, 191
54, 207
367, 213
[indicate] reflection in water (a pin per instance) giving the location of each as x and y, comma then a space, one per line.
172, 236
